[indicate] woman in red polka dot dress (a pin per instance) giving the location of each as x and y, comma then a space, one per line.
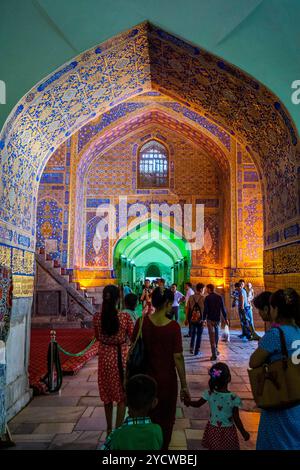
220, 432
113, 329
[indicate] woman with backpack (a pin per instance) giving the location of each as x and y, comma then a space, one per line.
164, 360
196, 308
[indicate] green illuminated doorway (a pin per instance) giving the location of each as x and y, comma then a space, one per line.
148, 248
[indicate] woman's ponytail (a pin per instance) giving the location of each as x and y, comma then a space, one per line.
109, 316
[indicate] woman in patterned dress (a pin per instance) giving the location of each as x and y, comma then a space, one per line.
279, 429
113, 329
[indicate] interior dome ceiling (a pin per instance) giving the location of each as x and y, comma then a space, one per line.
260, 37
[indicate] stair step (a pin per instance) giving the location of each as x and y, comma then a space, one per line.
49, 263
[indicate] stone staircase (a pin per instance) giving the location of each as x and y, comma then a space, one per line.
76, 305
94, 294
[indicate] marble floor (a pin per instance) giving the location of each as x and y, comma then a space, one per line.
74, 418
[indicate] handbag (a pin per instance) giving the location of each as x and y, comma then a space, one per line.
276, 385
136, 359
226, 334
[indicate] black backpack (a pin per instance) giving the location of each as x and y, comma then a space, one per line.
137, 360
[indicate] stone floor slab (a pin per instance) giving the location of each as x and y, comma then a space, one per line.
54, 400
198, 423
194, 434
194, 444
33, 437
54, 428
31, 446
90, 401
91, 424
90, 437
60, 440
22, 428
178, 439
62, 414
182, 423
98, 412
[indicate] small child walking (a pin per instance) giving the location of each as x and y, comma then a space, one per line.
220, 432
137, 432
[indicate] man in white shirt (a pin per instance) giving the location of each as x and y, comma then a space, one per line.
188, 292
178, 298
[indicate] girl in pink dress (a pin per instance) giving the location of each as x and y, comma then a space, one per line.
220, 432
113, 330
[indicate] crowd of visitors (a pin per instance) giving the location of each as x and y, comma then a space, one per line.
151, 396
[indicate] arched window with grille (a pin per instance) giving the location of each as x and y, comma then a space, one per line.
153, 168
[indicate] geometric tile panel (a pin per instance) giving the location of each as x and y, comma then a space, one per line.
49, 227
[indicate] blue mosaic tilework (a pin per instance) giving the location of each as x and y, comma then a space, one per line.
273, 238
86, 133
49, 225
250, 176
202, 121
95, 257
54, 178
292, 231
24, 241
57, 75
94, 202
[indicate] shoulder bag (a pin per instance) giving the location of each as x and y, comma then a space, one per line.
276, 385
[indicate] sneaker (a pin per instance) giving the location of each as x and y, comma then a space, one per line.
218, 353
187, 336
213, 358
191, 351
241, 336
198, 353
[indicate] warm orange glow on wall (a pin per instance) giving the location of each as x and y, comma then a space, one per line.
93, 278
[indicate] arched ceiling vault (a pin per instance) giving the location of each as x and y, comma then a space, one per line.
147, 59
217, 153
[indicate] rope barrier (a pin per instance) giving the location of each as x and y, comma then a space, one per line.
53, 379
81, 353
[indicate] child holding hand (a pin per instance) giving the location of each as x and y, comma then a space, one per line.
220, 432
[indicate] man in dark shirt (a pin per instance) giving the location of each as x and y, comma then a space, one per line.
213, 309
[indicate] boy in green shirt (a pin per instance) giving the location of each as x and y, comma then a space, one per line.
137, 432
